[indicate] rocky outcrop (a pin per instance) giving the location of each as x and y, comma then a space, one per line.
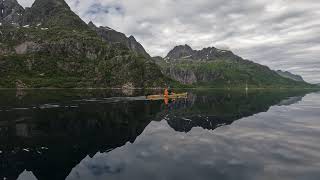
185, 76
11, 12
291, 76
27, 47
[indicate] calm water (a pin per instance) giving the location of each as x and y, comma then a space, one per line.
100, 134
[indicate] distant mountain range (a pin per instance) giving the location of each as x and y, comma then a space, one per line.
289, 75
221, 68
48, 45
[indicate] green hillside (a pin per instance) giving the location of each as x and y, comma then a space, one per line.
53, 47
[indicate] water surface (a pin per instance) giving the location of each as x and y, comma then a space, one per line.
104, 134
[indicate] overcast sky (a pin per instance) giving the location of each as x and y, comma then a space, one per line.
283, 34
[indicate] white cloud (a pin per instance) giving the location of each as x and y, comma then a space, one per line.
278, 33
26, 3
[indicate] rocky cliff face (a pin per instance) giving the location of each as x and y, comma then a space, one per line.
114, 37
185, 76
136, 47
50, 46
289, 75
10, 12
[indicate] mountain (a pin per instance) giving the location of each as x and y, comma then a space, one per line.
113, 37
289, 75
185, 52
212, 67
55, 13
10, 12
180, 52
48, 45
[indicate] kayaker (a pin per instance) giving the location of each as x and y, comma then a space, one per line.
166, 92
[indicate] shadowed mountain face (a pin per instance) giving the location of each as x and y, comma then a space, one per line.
50, 132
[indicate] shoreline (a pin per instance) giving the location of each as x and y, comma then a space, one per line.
196, 88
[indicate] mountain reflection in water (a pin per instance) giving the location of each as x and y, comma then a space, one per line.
91, 135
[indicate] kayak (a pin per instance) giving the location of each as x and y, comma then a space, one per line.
172, 96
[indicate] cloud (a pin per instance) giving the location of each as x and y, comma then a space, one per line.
26, 3
279, 33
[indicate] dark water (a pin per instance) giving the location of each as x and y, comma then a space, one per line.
101, 134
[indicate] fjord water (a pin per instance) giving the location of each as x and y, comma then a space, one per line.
213, 134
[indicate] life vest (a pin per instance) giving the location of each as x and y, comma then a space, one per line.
166, 93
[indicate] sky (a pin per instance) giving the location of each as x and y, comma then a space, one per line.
282, 34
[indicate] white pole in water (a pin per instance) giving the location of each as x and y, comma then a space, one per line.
247, 89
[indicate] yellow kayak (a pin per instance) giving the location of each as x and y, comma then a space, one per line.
172, 96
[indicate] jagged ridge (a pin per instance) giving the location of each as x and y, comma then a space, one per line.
185, 52
114, 37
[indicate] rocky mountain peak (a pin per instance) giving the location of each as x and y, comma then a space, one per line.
92, 25
10, 11
132, 38
185, 47
181, 51
137, 47
53, 13
49, 5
